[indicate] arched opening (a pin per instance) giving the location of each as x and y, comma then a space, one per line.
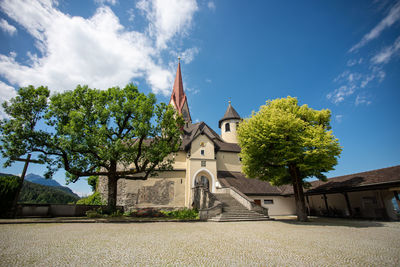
227, 127
202, 180
208, 175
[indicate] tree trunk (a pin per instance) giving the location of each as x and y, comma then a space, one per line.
112, 189
14, 208
298, 193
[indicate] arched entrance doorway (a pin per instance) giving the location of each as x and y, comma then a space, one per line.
202, 180
208, 179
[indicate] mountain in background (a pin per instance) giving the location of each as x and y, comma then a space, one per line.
34, 193
37, 179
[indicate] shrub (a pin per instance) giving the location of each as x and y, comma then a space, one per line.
8, 189
96, 213
94, 199
117, 213
182, 214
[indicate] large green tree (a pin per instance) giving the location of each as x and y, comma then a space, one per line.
118, 133
19, 133
284, 143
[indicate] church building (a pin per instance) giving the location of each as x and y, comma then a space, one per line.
211, 160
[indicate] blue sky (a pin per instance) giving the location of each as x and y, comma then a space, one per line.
340, 55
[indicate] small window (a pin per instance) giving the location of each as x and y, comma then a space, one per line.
268, 201
237, 125
202, 152
203, 163
227, 127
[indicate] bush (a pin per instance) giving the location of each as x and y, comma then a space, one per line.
182, 214
8, 189
96, 213
94, 199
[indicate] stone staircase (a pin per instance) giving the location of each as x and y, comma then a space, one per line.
233, 211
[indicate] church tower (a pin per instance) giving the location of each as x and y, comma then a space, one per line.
178, 97
229, 124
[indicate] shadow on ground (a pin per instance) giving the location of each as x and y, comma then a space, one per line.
323, 221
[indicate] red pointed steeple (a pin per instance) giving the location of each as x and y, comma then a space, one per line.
178, 97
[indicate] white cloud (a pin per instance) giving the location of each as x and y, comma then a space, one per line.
208, 81
168, 18
102, 2
131, 13
339, 94
386, 54
392, 17
6, 27
192, 91
97, 51
6, 93
187, 56
362, 100
338, 118
211, 5
353, 62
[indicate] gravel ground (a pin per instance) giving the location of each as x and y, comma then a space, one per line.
321, 242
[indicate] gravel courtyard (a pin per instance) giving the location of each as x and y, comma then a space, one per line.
322, 242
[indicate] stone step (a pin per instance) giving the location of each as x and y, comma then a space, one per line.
233, 211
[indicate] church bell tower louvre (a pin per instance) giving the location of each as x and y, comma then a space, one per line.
178, 96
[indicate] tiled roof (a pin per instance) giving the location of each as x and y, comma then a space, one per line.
376, 178
191, 131
245, 185
229, 114
178, 96
357, 180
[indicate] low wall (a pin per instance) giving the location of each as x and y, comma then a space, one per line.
57, 210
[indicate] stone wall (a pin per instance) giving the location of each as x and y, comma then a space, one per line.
167, 190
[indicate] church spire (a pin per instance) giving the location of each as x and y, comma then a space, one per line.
178, 97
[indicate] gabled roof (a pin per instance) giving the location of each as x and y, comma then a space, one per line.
230, 113
357, 181
192, 131
247, 186
178, 96
376, 179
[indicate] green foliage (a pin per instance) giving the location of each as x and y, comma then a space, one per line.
116, 213
8, 189
94, 199
93, 181
284, 134
95, 213
40, 194
18, 135
89, 132
182, 214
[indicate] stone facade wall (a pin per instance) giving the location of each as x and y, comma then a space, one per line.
166, 190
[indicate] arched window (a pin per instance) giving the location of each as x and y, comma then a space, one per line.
227, 127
